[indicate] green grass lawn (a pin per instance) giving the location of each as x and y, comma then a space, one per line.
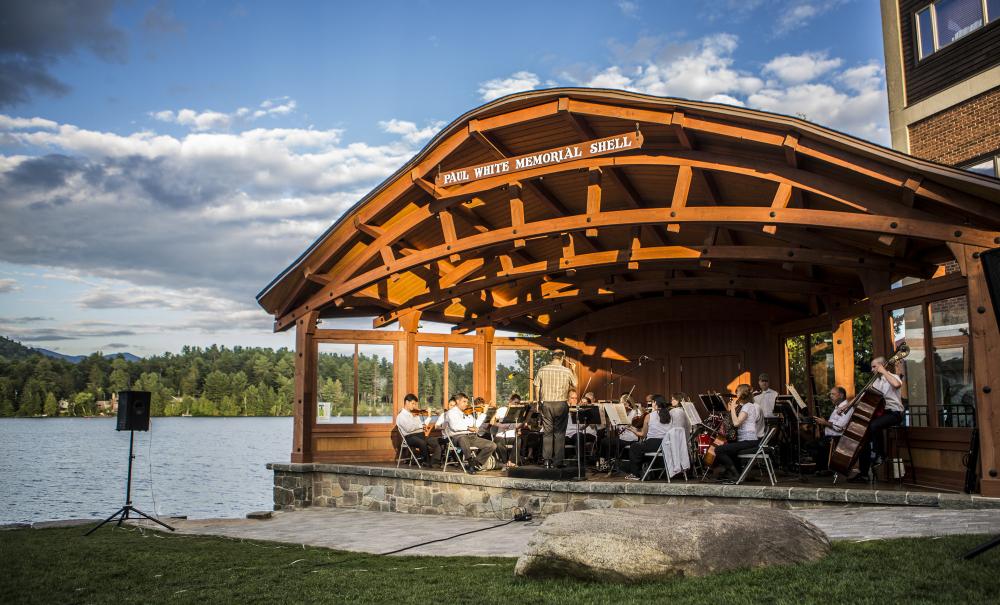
129, 566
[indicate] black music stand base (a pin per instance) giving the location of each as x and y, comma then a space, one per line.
985, 546
124, 512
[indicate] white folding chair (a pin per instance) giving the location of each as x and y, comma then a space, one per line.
657, 455
405, 447
762, 455
457, 451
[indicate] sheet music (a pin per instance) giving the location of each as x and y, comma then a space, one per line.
616, 413
691, 412
795, 395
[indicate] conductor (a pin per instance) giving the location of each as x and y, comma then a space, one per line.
554, 383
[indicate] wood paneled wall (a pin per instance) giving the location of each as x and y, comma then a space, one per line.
683, 355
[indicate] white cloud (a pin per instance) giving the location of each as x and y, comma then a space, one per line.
216, 215
409, 130
201, 121
805, 67
796, 14
628, 7
516, 82
691, 72
851, 100
8, 285
9, 123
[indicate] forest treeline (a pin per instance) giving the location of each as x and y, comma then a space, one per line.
212, 381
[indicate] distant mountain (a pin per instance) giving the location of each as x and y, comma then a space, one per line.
78, 358
54, 355
11, 349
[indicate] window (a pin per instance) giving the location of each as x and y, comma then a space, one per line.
430, 376
953, 387
335, 384
375, 373
515, 372
821, 369
907, 325
947, 21
443, 371
862, 329
988, 167
795, 365
925, 33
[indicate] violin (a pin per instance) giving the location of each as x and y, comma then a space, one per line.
472, 409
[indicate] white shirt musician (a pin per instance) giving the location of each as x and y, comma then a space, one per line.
889, 385
765, 399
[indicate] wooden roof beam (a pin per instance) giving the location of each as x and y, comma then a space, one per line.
781, 198
682, 188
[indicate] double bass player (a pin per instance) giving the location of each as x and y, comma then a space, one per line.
888, 384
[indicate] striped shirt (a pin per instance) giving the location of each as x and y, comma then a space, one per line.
554, 381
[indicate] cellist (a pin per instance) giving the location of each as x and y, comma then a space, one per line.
888, 384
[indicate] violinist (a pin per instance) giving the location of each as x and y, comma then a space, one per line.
654, 429
416, 432
617, 438
743, 413
462, 429
889, 385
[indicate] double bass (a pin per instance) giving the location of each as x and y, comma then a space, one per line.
867, 404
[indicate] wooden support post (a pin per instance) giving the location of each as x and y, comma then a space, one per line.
305, 387
843, 356
681, 189
448, 230
516, 211
986, 371
409, 321
486, 366
593, 198
781, 198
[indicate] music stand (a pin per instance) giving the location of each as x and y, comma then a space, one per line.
786, 405
516, 414
587, 414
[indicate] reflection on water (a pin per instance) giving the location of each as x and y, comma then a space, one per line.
61, 468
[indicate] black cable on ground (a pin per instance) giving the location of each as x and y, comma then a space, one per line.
392, 552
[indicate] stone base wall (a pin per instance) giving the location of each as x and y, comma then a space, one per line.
432, 492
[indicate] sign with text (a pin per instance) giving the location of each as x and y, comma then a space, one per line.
559, 155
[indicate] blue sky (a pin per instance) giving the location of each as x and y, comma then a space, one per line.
160, 162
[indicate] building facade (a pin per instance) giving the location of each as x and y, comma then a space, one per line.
942, 60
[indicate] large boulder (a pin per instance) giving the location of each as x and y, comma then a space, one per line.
662, 542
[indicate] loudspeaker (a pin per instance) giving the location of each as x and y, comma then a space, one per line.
133, 410
991, 269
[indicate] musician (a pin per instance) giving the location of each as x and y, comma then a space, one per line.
555, 382
412, 429
743, 413
677, 415
461, 427
833, 428
574, 427
654, 429
888, 384
616, 439
765, 399
505, 433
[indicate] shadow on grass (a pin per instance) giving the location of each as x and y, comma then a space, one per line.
133, 566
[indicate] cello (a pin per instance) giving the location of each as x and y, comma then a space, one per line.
867, 404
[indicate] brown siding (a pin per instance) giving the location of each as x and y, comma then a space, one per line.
670, 341
972, 54
962, 133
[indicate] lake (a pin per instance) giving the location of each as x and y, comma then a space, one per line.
75, 468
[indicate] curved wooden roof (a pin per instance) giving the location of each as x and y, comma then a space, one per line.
719, 200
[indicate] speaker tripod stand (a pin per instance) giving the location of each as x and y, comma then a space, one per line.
124, 513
